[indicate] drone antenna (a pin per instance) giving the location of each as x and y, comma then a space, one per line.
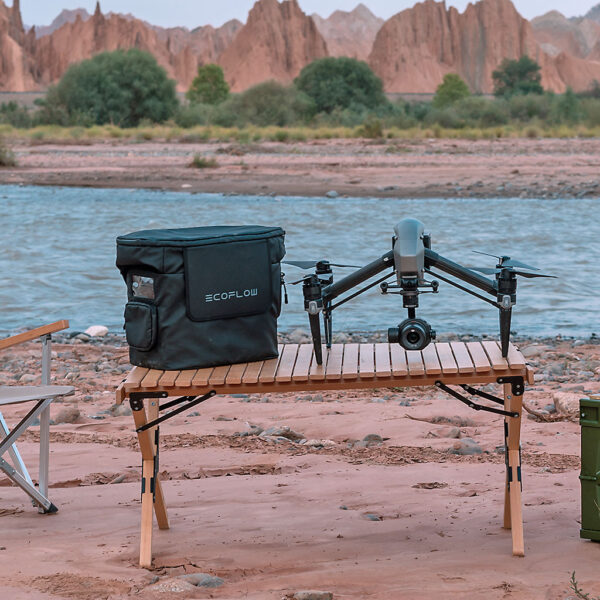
487, 254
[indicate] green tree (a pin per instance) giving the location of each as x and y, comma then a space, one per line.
341, 83
514, 77
451, 90
121, 87
209, 86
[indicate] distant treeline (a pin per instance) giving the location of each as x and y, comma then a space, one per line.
128, 89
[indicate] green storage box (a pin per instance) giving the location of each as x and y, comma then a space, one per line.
590, 468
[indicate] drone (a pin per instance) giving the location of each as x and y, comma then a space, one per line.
409, 261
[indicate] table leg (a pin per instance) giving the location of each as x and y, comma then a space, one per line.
150, 483
513, 511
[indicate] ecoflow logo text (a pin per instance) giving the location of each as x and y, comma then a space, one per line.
237, 294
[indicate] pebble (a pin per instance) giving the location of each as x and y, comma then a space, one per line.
120, 410
466, 447
69, 414
372, 439
332, 194
173, 586
299, 336
83, 337
312, 595
373, 517
96, 331
27, 378
284, 432
202, 580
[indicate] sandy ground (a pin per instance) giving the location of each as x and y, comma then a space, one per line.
405, 169
402, 519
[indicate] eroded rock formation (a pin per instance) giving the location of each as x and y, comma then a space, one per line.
349, 33
277, 41
555, 34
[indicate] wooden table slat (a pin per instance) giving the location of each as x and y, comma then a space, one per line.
236, 373
135, 377
462, 357
201, 377
431, 360
414, 360
479, 357
217, 377
366, 363
317, 372
151, 379
286, 363
303, 360
383, 365
446, 357
184, 379
335, 361
252, 372
168, 378
350, 363
515, 358
267, 373
399, 366
495, 355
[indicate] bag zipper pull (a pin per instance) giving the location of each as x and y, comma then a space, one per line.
285, 294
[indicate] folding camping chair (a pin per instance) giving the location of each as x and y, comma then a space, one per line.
42, 395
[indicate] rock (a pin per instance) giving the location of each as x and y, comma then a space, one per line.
319, 443
277, 42
120, 410
27, 378
82, 337
372, 517
284, 431
312, 595
372, 439
68, 414
96, 331
173, 586
534, 350
566, 403
332, 194
202, 580
118, 479
466, 447
299, 336
448, 432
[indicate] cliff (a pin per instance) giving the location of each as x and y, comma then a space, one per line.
555, 34
349, 33
277, 41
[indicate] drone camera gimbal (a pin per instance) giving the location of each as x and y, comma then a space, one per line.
409, 260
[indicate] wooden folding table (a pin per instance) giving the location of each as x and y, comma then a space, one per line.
345, 367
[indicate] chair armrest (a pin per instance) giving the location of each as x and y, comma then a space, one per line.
32, 334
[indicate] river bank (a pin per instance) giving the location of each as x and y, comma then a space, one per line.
430, 168
397, 495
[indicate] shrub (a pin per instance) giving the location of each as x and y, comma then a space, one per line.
7, 156
201, 162
209, 86
265, 104
450, 91
525, 108
194, 115
590, 107
340, 83
566, 108
522, 76
120, 87
14, 114
372, 128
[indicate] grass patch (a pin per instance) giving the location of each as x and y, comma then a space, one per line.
7, 156
201, 162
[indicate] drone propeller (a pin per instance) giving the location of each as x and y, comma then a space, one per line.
492, 271
507, 261
311, 264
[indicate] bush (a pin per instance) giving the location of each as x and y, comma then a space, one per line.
265, 104
531, 106
209, 86
521, 76
340, 83
7, 156
590, 108
194, 115
121, 88
450, 91
567, 108
371, 128
200, 162
14, 114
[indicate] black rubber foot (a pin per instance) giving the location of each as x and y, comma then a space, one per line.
50, 511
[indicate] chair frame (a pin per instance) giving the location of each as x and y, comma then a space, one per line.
18, 473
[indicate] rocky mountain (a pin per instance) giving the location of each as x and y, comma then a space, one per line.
555, 34
349, 33
277, 41
594, 13
65, 16
417, 47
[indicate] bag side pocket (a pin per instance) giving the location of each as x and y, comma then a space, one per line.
141, 325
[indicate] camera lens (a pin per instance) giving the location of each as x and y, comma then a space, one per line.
412, 334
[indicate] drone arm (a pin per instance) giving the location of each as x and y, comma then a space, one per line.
433, 259
334, 290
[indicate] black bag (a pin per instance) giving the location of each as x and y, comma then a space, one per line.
203, 296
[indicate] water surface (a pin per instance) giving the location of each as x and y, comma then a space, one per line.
58, 253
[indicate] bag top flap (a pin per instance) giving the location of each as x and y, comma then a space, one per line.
198, 236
